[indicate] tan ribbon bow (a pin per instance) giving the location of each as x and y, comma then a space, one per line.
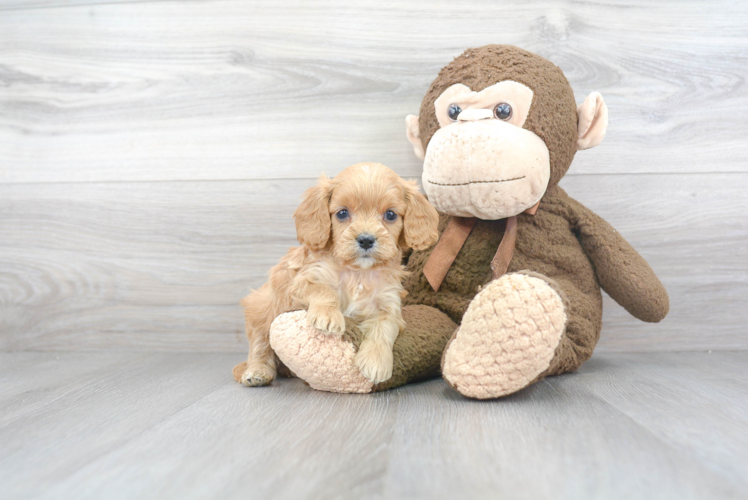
453, 238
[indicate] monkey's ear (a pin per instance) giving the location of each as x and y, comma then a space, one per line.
593, 121
312, 218
420, 220
414, 135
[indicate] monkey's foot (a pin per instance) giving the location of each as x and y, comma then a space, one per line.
507, 338
325, 362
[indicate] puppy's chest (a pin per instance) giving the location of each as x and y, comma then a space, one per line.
363, 294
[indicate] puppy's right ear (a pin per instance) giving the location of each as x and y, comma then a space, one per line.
313, 215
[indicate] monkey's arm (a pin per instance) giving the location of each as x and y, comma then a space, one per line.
622, 272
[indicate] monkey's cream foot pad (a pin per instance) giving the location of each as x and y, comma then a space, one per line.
325, 362
507, 338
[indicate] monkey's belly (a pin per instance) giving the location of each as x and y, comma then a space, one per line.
545, 244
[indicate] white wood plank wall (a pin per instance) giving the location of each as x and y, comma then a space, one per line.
152, 153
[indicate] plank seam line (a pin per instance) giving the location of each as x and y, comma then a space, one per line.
80, 5
277, 179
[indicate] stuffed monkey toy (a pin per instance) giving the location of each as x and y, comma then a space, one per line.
510, 293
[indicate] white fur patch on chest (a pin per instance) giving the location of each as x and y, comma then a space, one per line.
358, 292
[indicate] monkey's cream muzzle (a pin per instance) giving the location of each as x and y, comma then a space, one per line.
485, 168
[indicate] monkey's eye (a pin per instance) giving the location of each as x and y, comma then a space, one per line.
502, 111
390, 216
342, 214
454, 111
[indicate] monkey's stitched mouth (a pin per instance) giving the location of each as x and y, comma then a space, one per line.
476, 182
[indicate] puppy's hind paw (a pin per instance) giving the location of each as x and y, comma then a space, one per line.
257, 376
327, 319
374, 361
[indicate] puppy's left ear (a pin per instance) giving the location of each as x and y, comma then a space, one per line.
420, 220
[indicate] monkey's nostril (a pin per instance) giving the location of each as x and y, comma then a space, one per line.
365, 241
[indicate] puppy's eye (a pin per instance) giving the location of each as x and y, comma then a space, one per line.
502, 111
342, 214
454, 111
390, 216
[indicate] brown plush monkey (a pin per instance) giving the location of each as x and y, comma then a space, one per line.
511, 292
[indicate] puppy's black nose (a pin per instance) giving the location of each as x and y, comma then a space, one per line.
365, 241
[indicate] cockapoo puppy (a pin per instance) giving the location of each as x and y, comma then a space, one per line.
353, 229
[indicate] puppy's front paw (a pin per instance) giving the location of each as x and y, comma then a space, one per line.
258, 375
328, 319
374, 361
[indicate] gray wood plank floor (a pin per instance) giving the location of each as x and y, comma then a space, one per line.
174, 425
